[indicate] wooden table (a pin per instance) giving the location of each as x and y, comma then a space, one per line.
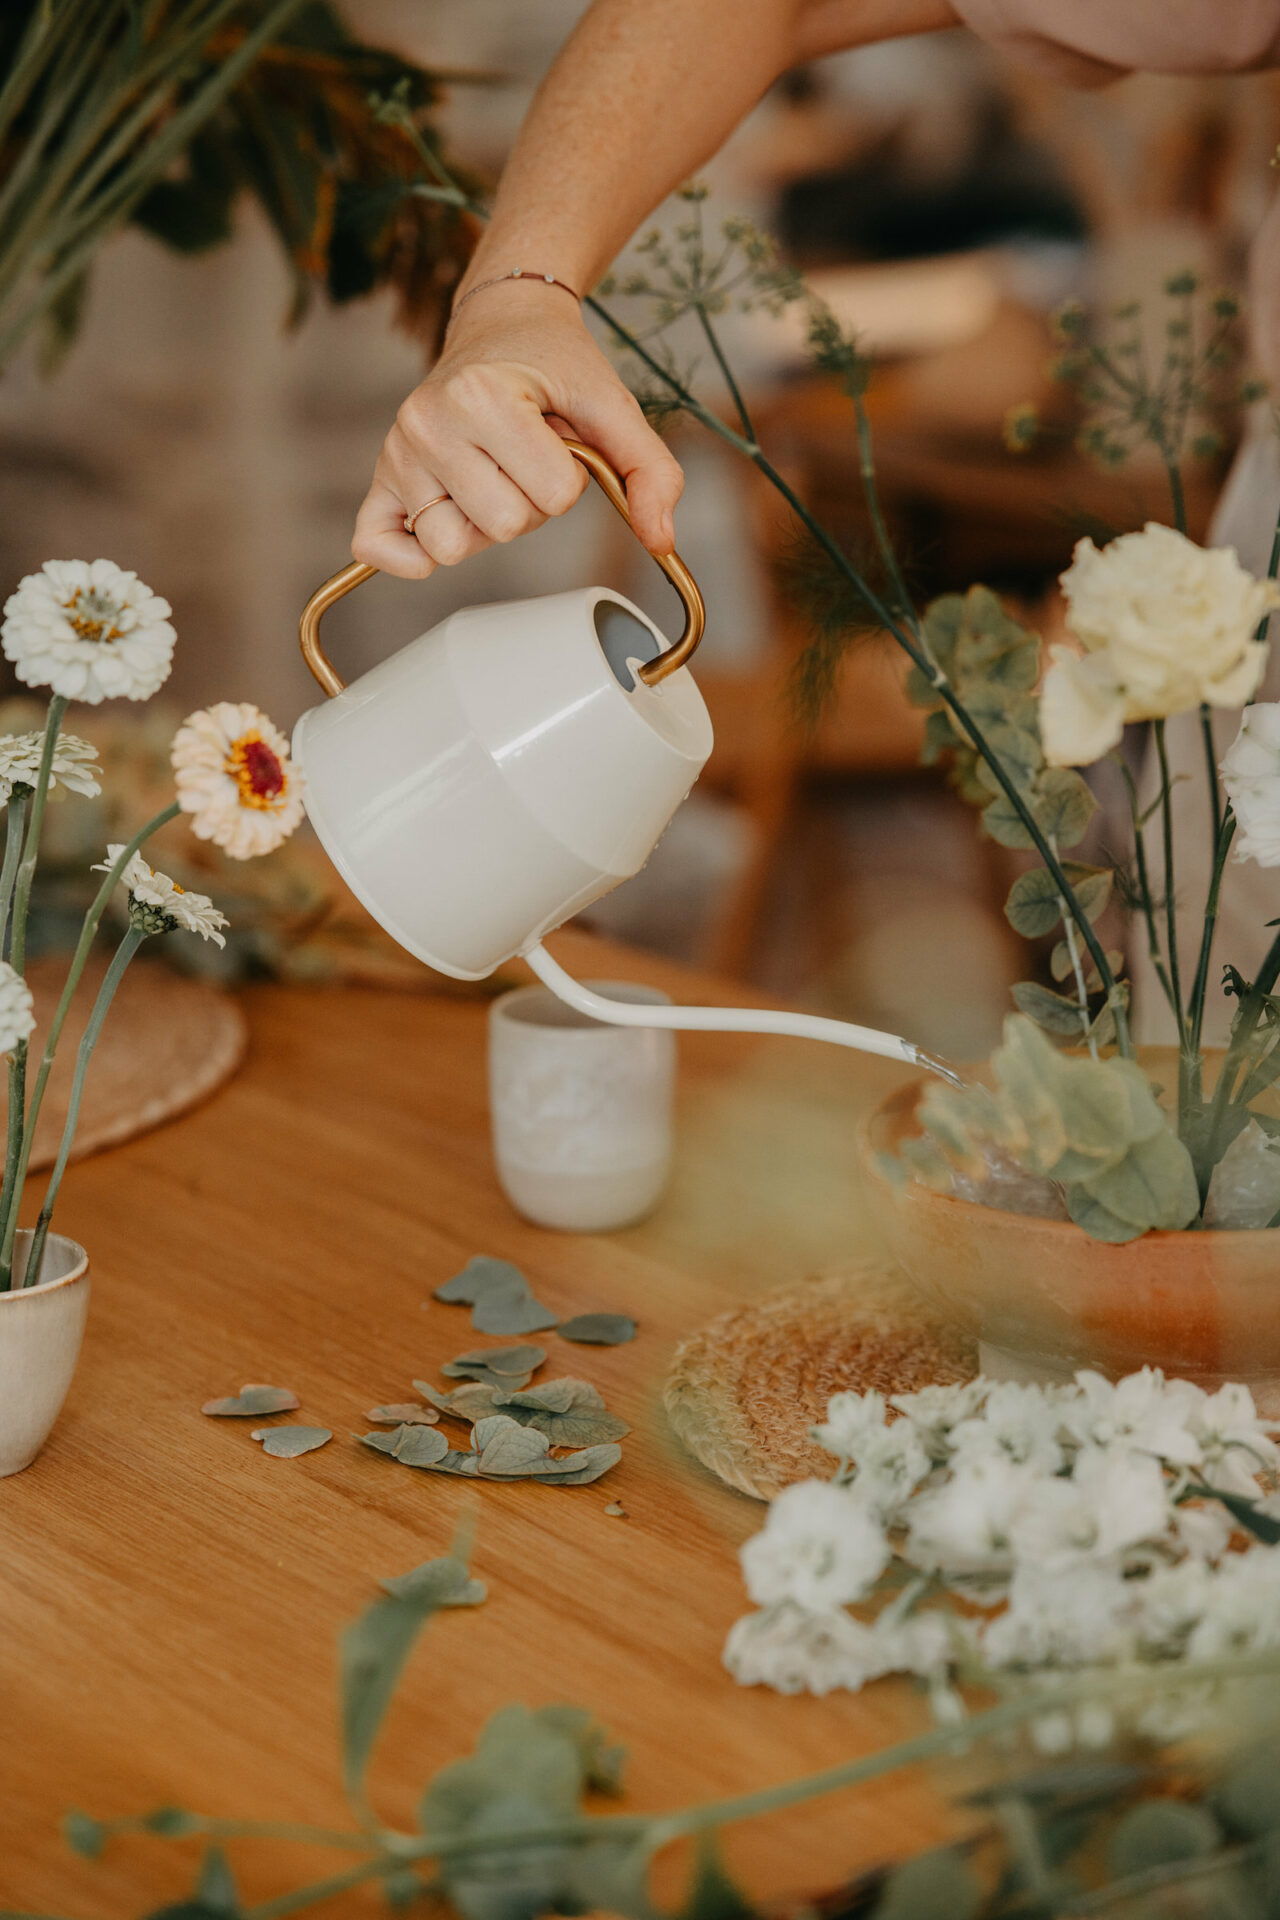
169, 1597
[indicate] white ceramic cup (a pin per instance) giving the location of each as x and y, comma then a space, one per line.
581, 1112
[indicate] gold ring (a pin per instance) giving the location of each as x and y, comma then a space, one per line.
411, 519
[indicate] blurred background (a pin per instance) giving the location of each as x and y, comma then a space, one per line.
945, 204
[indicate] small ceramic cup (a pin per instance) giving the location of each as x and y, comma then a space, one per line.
581, 1112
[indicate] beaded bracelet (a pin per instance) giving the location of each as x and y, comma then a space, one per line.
518, 273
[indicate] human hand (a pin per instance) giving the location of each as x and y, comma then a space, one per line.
519, 374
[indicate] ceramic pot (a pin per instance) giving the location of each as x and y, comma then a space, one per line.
40, 1333
1043, 1298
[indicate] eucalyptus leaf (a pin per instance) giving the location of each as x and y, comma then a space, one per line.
570, 1412
477, 1277
1052, 1012
1154, 1185
412, 1446
470, 1402
1064, 805
511, 1309
216, 1887
505, 1447
1098, 1221
290, 1443
372, 1652
1004, 823
598, 1329
933, 1886
405, 1413
1157, 1833
581, 1468
481, 1377
84, 1835
1247, 1798
253, 1400
1035, 903
712, 1894
445, 1582
502, 1360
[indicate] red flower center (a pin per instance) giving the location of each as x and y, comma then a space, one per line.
257, 770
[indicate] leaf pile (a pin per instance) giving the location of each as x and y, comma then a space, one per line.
1093, 1125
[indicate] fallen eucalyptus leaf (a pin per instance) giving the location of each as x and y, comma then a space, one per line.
253, 1400
570, 1412
437, 1583
511, 1309
404, 1414
598, 1329
499, 1360
470, 1402
583, 1467
216, 1887
479, 1274
288, 1443
482, 1377
616, 1512
84, 1835
505, 1447
419, 1447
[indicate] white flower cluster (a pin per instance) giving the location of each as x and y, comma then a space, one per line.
1077, 1524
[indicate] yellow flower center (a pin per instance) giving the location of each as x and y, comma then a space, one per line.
91, 616
257, 770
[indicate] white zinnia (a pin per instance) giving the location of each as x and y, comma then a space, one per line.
236, 780
1164, 624
194, 912
1251, 775
17, 1012
819, 1547
88, 630
74, 764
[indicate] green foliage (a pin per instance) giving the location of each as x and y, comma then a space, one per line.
1093, 1125
1159, 1832
712, 1894
992, 664
372, 1652
932, 1886
1034, 907
597, 1330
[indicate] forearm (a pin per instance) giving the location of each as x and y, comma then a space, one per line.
641, 94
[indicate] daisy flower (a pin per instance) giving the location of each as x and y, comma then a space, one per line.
75, 764
17, 1013
236, 780
161, 902
88, 630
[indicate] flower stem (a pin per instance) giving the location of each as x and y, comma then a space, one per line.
726, 371
1144, 888
1246, 1022
1170, 904
11, 1194
124, 953
75, 971
1199, 986
15, 820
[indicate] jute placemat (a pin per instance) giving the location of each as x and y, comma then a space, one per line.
744, 1390
168, 1043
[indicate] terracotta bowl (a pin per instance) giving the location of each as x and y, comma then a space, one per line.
1043, 1298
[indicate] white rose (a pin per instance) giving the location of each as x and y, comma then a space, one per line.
1164, 624
1251, 775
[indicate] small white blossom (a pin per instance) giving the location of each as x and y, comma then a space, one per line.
1019, 1421
74, 764
1250, 771
934, 1411
1164, 625
17, 1010
891, 1462
793, 1650
1233, 1441
1144, 1410
850, 1417
819, 1547
1114, 1499
234, 777
194, 912
965, 1525
88, 630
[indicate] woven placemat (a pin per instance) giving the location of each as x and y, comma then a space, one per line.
744, 1390
168, 1043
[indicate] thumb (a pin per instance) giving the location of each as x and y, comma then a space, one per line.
611, 420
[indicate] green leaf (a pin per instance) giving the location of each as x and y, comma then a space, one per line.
437, 1583
1064, 805
1159, 1832
216, 1887
1097, 1222
84, 1835
501, 1360
255, 1400
290, 1443
405, 1413
1051, 1012
598, 1329
579, 1469
477, 1277
939, 735
712, 1894
1004, 823
371, 1655
570, 1412
933, 1886
171, 1823
470, 1402
1034, 906
1097, 1114
1247, 1798
412, 1446
510, 1310
1154, 1185
505, 1447
1249, 1515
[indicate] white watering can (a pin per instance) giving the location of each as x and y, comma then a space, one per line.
511, 765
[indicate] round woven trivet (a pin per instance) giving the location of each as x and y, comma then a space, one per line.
744, 1390
168, 1043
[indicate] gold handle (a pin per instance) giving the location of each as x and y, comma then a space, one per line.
695, 612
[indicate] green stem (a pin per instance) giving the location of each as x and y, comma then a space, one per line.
124, 953
15, 820
726, 372
1144, 887
318, 1890
1170, 903
871, 492
1200, 985
1211, 768
88, 932
1246, 1022
11, 1194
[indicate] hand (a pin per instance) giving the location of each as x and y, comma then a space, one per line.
519, 374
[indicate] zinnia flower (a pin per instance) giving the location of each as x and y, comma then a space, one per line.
1251, 775
74, 764
163, 903
236, 780
17, 1012
90, 631
1164, 625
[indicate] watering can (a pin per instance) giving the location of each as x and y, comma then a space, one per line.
510, 766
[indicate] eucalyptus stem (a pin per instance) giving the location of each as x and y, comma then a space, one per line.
1154, 953
124, 953
10, 1192
15, 818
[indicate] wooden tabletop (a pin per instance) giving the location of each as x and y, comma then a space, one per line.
170, 1597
